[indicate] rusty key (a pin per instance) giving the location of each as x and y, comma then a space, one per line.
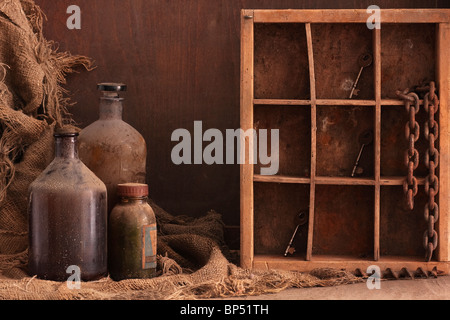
364, 61
365, 139
303, 217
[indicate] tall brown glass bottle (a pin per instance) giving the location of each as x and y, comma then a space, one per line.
111, 148
67, 217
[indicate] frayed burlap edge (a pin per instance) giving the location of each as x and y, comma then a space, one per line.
32, 104
236, 283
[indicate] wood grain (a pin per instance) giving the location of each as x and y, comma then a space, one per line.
349, 16
181, 61
377, 141
351, 217
277, 207
312, 192
443, 49
343, 222
247, 121
336, 64
294, 125
408, 57
284, 75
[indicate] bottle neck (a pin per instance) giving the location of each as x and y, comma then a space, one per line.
134, 200
111, 108
65, 147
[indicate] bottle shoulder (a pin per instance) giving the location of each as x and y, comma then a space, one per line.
111, 132
109, 126
69, 174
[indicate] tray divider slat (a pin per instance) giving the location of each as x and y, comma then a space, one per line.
378, 100
377, 83
246, 169
312, 193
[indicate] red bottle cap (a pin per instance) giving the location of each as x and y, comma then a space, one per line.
132, 190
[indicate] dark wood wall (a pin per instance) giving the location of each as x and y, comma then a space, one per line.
181, 61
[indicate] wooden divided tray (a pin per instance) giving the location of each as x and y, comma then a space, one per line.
298, 68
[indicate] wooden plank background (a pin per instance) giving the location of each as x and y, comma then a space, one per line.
181, 61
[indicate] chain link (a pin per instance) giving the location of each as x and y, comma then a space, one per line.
431, 131
412, 133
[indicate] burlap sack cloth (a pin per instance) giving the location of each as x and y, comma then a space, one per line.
193, 261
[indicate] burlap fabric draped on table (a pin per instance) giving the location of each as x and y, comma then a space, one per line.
193, 261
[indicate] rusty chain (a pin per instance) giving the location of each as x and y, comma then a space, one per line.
431, 131
412, 132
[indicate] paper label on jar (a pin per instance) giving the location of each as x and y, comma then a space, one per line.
149, 247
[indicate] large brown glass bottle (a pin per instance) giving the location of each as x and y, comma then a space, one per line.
110, 147
67, 218
132, 235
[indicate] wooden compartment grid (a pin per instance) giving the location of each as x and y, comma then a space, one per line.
369, 203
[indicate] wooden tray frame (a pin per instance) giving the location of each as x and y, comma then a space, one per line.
440, 17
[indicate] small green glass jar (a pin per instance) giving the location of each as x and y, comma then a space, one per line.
132, 235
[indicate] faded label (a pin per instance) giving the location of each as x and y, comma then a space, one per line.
149, 247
